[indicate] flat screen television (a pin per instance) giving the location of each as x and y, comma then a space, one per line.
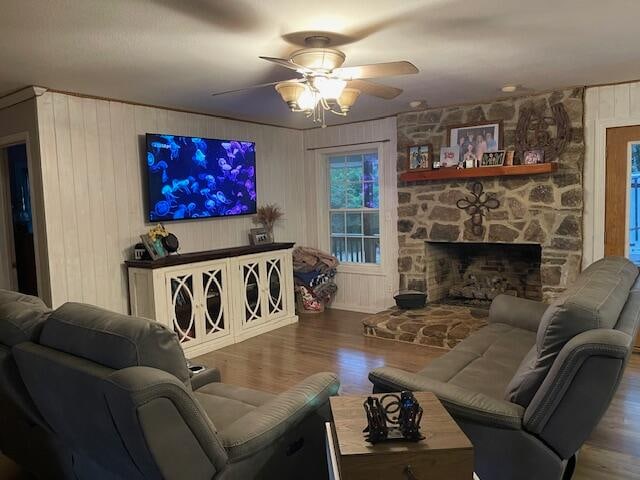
196, 178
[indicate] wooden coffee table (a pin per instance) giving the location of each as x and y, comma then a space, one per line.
446, 453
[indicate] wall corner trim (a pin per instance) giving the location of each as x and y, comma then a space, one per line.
21, 95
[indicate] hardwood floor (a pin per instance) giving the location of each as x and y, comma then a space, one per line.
333, 341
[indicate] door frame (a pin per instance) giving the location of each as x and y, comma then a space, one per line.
6, 218
37, 216
597, 223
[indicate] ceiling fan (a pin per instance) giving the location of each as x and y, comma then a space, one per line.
325, 85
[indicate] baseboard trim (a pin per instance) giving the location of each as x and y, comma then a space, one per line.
355, 308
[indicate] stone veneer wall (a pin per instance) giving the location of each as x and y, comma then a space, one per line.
545, 209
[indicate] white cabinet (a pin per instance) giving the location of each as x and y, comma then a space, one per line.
214, 303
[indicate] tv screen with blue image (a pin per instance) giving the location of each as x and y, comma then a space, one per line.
192, 177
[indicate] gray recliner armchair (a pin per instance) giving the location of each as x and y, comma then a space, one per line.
529, 388
117, 392
24, 435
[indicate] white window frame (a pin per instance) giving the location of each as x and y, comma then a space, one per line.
324, 227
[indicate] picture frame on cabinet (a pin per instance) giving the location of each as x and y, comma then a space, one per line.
259, 236
155, 248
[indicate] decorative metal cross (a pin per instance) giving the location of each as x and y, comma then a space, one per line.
477, 205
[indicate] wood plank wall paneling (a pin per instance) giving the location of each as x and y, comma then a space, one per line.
92, 167
357, 291
605, 107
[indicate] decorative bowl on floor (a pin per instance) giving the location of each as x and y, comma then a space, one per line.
409, 299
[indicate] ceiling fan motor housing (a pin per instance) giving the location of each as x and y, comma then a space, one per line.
321, 59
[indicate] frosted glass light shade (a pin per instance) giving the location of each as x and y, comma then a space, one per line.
307, 99
290, 92
348, 98
329, 88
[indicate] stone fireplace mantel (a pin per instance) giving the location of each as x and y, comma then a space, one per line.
543, 209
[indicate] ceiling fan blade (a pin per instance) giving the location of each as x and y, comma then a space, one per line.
260, 85
376, 70
287, 64
375, 89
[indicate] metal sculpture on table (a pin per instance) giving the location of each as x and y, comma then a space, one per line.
535, 128
393, 417
477, 205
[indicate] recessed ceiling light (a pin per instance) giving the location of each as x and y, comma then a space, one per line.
509, 88
417, 103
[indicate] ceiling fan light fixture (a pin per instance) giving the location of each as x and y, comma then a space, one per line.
329, 88
321, 59
290, 92
348, 98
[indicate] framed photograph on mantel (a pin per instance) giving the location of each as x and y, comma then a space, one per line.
492, 159
420, 156
476, 138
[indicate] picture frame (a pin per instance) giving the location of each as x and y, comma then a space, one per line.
533, 157
420, 156
508, 158
493, 159
259, 236
449, 156
155, 248
465, 137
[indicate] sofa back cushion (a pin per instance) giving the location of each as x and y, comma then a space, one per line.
114, 340
595, 300
21, 317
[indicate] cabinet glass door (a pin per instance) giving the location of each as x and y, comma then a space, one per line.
275, 287
252, 291
183, 307
215, 304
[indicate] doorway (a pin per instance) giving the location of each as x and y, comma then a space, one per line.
622, 194
19, 267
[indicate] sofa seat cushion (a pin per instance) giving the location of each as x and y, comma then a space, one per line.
224, 404
484, 362
21, 317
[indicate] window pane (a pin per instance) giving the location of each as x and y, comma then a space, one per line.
354, 223
337, 222
371, 223
354, 250
337, 196
370, 167
338, 248
354, 168
371, 194
354, 195
372, 250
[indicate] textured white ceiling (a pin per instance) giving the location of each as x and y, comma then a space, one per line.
176, 52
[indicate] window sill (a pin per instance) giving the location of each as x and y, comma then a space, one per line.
361, 269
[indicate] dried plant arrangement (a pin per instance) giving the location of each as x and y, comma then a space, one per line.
267, 216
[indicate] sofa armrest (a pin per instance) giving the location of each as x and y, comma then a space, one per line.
461, 403
205, 377
517, 312
261, 427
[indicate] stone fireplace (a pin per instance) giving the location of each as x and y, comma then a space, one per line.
475, 273
541, 212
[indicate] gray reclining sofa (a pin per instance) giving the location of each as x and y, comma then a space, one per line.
115, 396
529, 388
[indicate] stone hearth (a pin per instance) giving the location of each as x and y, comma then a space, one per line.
541, 209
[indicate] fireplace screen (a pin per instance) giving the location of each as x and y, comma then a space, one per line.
475, 273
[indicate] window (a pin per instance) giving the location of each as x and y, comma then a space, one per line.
354, 203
